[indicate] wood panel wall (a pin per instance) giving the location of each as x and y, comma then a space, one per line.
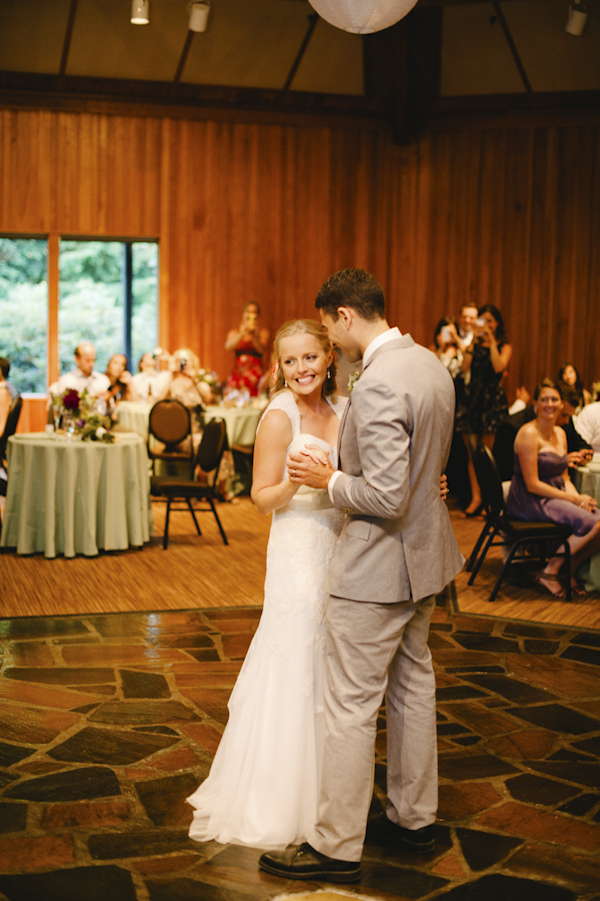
507, 215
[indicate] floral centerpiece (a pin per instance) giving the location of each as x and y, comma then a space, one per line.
80, 410
204, 375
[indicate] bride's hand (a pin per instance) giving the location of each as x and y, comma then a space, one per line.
308, 470
316, 453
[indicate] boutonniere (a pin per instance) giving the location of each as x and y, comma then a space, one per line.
352, 380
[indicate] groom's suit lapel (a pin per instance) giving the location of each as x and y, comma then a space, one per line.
341, 429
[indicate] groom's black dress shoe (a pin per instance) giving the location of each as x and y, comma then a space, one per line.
303, 862
381, 828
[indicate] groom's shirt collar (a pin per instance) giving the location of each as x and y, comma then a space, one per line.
370, 349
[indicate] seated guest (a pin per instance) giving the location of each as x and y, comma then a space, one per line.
541, 490
4, 371
587, 424
568, 374
84, 376
578, 450
5, 402
522, 400
121, 381
186, 386
150, 384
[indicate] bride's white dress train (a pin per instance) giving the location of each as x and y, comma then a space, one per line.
263, 784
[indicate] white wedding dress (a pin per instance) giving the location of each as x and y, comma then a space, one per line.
263, 784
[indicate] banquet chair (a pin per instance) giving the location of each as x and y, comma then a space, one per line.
502, 530
169, 423
208, 459
12, 420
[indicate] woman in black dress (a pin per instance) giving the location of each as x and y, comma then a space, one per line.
483, 405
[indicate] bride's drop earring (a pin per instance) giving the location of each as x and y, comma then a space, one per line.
285, 383
328, 374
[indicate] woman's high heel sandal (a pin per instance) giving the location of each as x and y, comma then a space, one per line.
542, 577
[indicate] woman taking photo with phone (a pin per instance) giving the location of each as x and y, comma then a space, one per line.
483, 406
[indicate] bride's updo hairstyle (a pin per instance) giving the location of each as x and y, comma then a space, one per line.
306, 327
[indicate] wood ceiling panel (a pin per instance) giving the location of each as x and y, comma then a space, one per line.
106, 45
333, 62
31, 35
248, 44
476, 58
555, 60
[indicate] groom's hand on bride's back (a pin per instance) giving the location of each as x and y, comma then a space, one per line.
444, 486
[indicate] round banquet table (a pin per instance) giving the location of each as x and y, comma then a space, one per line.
133, 416
587, 481
76, 497
240, 422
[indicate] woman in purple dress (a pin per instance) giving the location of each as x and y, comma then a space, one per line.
541, 489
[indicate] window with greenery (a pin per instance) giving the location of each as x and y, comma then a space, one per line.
24, 310
108, 294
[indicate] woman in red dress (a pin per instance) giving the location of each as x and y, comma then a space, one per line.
249, 342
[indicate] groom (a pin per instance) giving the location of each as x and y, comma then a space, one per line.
396, 552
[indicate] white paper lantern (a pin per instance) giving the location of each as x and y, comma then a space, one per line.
362, 16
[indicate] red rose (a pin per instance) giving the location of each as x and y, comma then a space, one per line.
71, 400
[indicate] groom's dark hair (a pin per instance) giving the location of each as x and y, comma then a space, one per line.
353, 288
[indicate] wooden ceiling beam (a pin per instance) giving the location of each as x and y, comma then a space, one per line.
312, 22
184, 55
67, 39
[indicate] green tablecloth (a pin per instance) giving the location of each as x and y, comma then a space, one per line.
240, 422
587, 481
133, 416
76, 497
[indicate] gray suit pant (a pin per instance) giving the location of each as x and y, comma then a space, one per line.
375, 650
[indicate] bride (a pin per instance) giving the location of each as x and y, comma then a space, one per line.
263, 785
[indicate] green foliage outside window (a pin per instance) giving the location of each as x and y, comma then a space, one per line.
90, 304
24, 311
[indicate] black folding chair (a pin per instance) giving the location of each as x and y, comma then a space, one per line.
208, 459
502, 530
170, 424
12, 421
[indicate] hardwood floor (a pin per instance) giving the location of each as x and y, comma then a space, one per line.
193, 572
201, 572
527, 604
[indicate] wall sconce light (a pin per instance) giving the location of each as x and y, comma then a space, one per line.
578, 15
199, 12
140, 12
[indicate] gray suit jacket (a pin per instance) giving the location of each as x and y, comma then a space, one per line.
398, 543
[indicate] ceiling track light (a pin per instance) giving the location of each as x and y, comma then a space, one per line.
140, 12
578, 15
199, 12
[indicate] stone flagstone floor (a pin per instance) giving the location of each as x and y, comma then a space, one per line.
108, 722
